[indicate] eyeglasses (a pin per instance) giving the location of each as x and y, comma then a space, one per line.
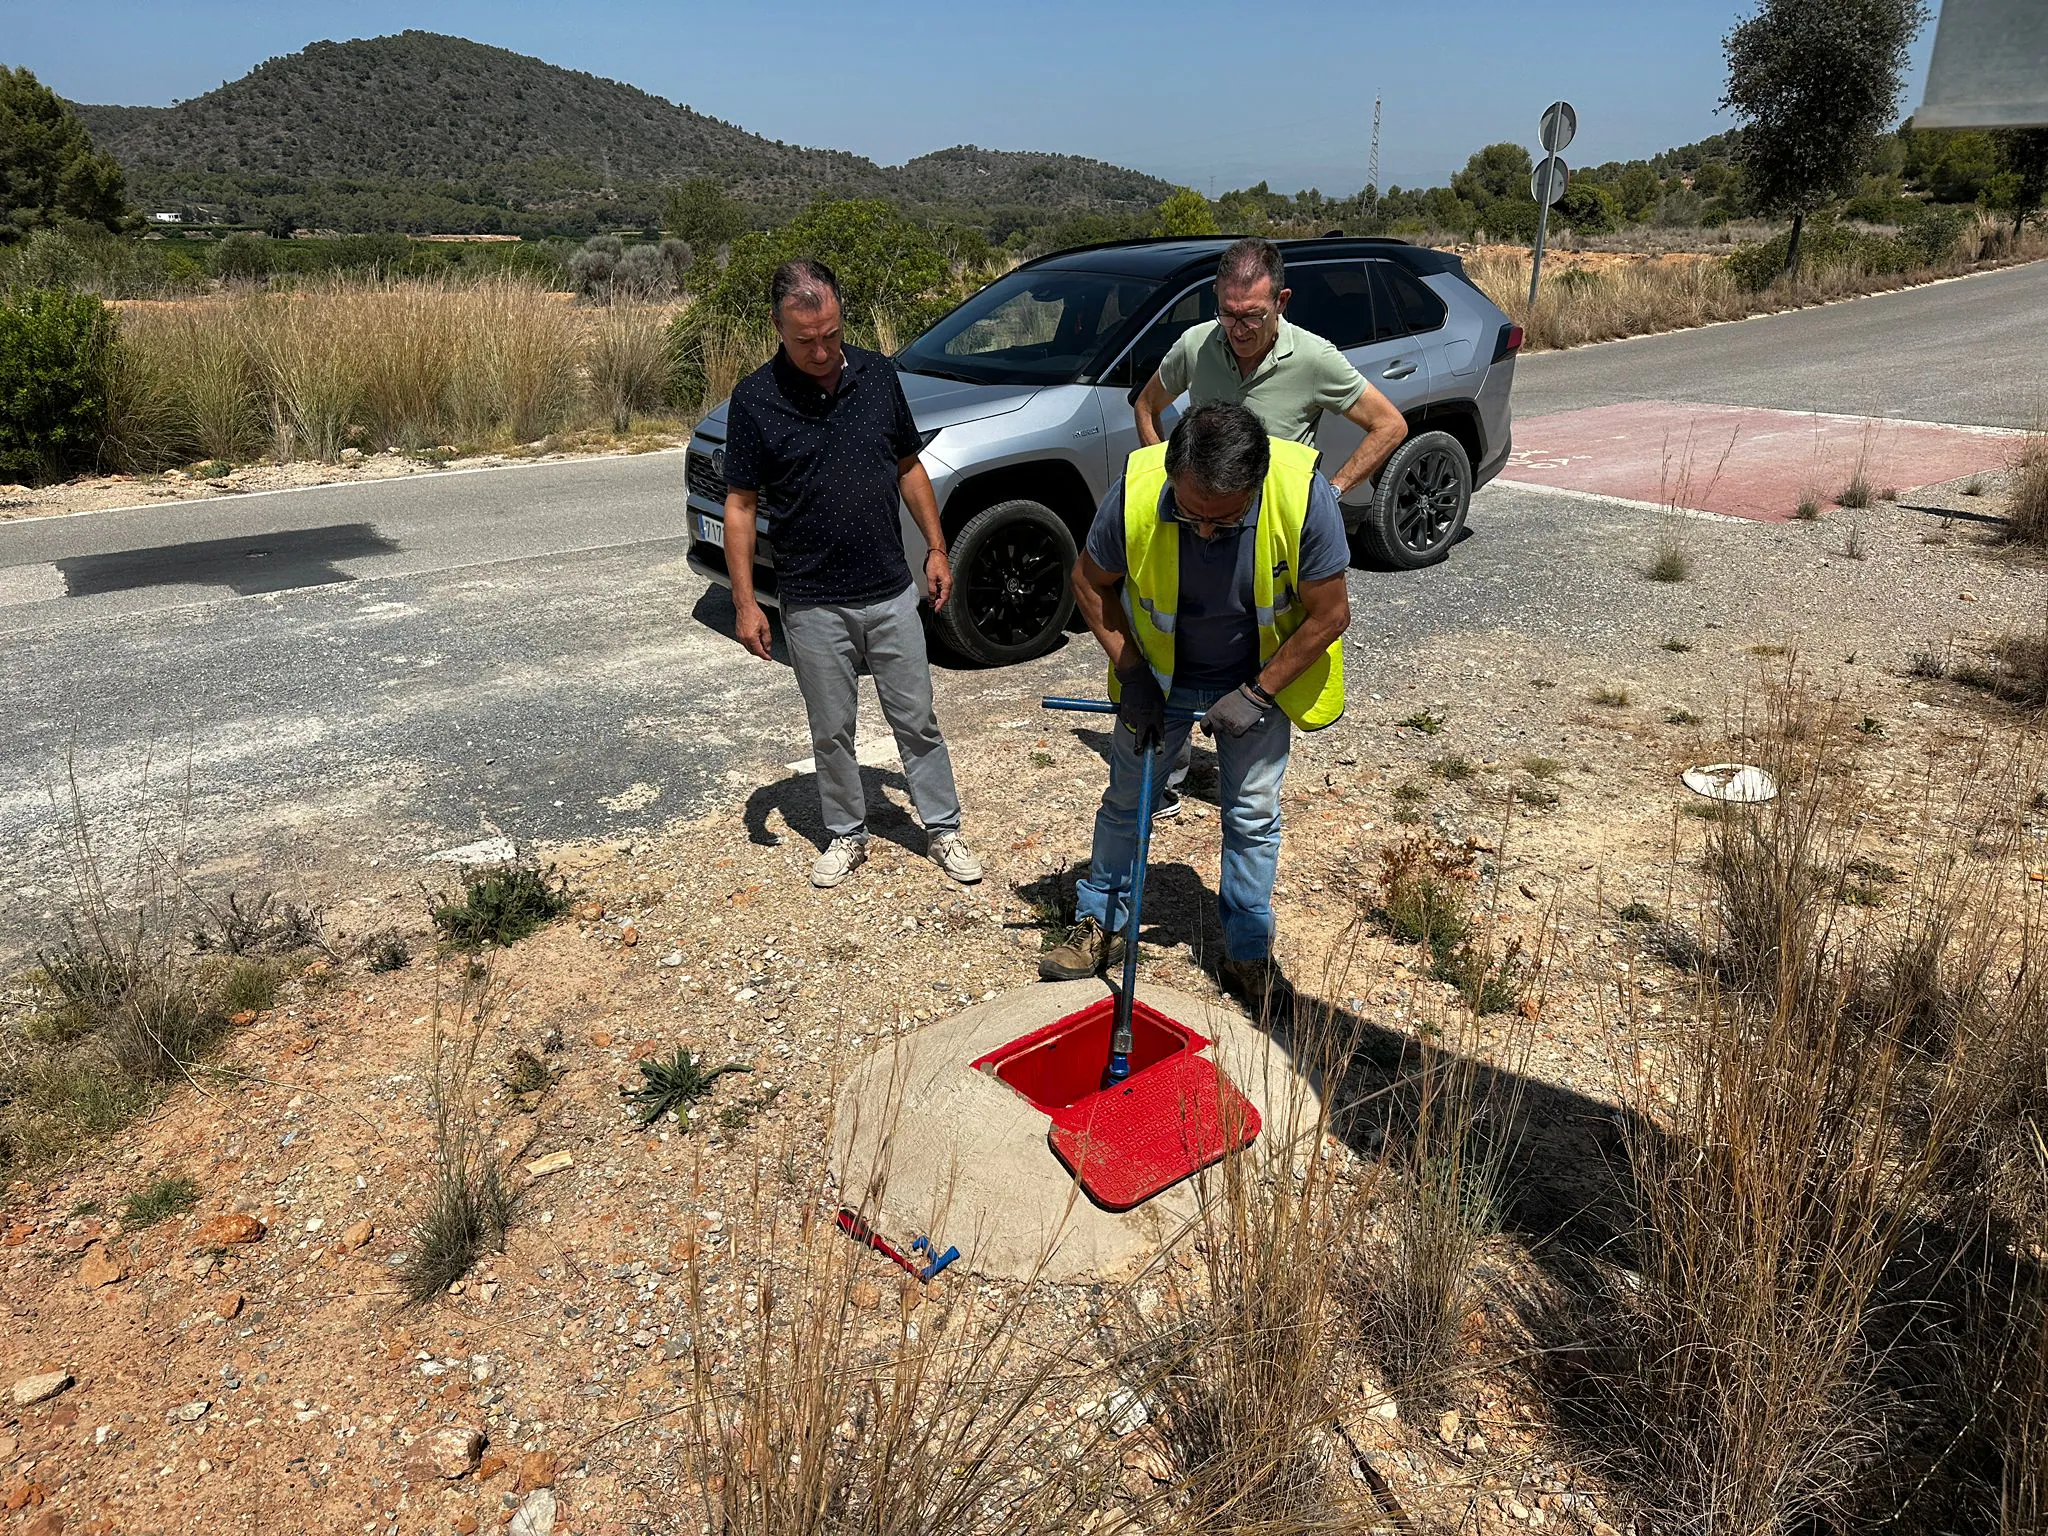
1250, 321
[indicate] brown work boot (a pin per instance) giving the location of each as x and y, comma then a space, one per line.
1260, 985
1086, 951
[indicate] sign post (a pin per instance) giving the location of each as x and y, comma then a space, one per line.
1546, 185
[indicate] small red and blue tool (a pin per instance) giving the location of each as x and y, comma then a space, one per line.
861, 1232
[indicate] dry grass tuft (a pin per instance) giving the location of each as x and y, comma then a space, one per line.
2026, 510
1670, 561
471, 1204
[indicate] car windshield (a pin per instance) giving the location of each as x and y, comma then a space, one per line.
1031, 327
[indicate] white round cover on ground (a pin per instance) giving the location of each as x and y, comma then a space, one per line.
1743, 783
931, 1147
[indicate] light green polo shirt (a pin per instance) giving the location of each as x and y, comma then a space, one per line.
1299, 379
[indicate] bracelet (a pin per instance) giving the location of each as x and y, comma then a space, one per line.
1260, 693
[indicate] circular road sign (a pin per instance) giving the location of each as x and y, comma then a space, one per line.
1560, 122
1546, 185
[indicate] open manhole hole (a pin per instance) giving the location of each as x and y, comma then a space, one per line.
1172, 1117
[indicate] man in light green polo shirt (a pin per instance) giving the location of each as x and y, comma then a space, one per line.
1250, 355
1285, 376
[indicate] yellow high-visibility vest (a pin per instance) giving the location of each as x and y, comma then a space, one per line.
1151, 591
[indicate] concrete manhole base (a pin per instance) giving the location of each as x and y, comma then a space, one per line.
958, 1155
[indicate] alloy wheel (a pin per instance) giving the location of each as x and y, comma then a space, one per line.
1427, 502
1014, 587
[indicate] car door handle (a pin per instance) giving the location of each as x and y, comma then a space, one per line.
1398, 369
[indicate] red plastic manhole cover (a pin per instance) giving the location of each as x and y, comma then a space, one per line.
1173, 1116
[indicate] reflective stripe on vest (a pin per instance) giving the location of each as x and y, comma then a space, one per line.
1152, 576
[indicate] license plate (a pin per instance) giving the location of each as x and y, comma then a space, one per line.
711, 530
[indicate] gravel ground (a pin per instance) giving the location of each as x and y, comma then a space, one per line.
568, 1350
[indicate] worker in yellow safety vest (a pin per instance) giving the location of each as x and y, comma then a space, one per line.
1214, 579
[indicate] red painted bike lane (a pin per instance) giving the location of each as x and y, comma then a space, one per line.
1741, 461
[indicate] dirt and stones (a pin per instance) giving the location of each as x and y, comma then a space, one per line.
637, 1264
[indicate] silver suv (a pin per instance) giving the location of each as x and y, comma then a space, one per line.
1024, 396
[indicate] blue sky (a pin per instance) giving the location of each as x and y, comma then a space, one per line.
1199, 92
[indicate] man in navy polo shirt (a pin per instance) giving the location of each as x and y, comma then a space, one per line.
822, 437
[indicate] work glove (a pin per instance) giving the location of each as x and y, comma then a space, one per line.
1237, 712
1141, 706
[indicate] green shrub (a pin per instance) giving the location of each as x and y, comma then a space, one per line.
1510, 218
56, 353
241, 257
1933, 233
883, 262
501, 906
1826, 246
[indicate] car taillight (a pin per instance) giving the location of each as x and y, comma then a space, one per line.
1510, 341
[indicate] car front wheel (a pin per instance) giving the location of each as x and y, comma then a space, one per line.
1419, 502
1011, 595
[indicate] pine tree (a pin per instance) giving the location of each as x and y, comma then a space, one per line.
49, 169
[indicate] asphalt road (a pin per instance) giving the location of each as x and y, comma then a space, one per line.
324, 679
1967, 351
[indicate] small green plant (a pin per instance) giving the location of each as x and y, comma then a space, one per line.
1926, 665
676, 1083
1808, 510
1639, 912
1768, 650
1539, 796
1542, 767
1041, 759
1456, 768
1407, 815
1863, 882
169, 1196
213, 469
1609, 696
250, 986
1870, 725
1410, 792
1857, 494
1681, 717
501, 907
1425, 893
389, 953
1676, 645
1490, 986
1422, 720
1670, 562
524, 1072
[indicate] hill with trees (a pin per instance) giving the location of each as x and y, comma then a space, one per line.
424, 132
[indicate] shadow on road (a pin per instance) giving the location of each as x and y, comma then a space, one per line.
250, 566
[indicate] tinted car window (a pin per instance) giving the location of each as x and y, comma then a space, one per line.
1146, 354
1333, 299
1032, 327
1414, 305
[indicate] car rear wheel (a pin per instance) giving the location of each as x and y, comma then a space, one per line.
1419, 502
1011, 591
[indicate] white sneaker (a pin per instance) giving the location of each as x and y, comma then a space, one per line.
955, 858
842, 858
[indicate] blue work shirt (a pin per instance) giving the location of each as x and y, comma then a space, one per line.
1216, 629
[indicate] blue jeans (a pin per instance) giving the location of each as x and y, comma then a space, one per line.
1251, 767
